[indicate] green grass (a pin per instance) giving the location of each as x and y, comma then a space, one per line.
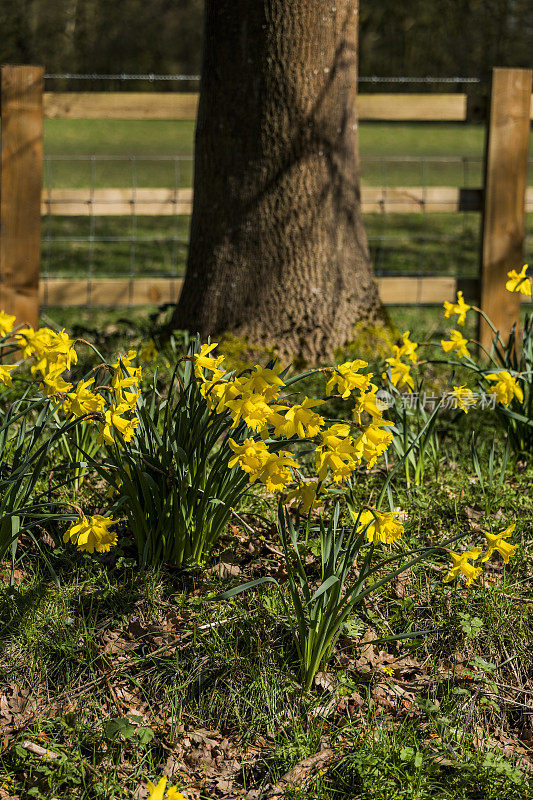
159, 138
399, 244
124, 671
413, 244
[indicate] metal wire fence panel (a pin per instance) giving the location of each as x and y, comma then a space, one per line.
116, 216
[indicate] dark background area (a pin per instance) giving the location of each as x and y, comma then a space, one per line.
414, 38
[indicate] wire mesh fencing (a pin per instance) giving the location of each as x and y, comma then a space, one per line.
120, 216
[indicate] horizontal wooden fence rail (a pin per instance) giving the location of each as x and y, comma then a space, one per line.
140, 291
167, 202
113, 292
183, 106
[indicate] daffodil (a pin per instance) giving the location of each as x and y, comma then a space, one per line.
464, 397
251, 457
497, 542
83, 401
124, 362
368, 402
408, 348
203, 360
337, 452
5, 376
262, 381
333, 434
348, 377
399, 373
460, 566
299, 420
173, 794
158, 792
114, 421
90, 534
7, 322
506, 387
374, 441
455, 342
53, 381
459, 308
252, 409
276, 472
380, 526
218, 390
306, 495
519, 281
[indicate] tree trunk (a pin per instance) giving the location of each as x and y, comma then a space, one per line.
278, 252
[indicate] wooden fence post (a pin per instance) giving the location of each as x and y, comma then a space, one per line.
505, 180
21, 113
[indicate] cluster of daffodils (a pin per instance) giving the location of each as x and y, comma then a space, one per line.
52, 356
111, 406
120, 414
503, 386
254, 399
495, 543
400, 364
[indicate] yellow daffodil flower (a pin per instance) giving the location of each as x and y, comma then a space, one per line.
253, 409
306, 495
158, 792
519, 281
251, 457
374, 441
333, 435
380, 526
348, 377
83, 401
7, 322
114, 421
368, 402
124, 362
459, 308
276, 472
218, 391
408, 348
400, 373
5, 377
460, 566
506, 387
173, 794
298, 420
53, 382
203, 360
455, 342
497, 542
90, 534
340, 455
464, 397
262, 381
119, 381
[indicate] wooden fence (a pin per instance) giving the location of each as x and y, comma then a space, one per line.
502, 200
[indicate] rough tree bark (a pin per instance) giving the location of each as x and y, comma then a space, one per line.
278, 252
